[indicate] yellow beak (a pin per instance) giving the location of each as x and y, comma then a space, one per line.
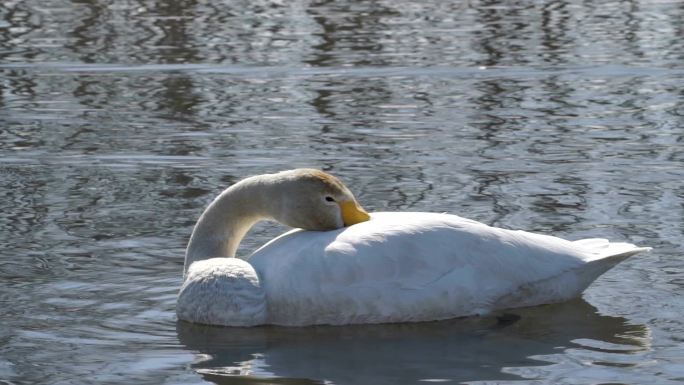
352, 213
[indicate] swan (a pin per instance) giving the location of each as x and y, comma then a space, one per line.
345, 266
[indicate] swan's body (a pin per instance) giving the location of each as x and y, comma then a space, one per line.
397, 267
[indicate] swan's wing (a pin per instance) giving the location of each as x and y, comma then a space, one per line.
403, 267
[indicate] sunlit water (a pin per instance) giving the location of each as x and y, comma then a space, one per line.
121, 120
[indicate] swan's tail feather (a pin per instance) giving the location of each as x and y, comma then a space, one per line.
602, 249
601, 255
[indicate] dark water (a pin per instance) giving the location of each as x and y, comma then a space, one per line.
121, 120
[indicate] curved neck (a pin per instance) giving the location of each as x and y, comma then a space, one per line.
225, 222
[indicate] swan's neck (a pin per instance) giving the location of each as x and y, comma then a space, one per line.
225, 222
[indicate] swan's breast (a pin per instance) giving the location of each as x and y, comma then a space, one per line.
222, 291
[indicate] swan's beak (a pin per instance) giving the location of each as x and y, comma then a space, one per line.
352, 213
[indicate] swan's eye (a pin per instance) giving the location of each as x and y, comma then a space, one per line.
330, 199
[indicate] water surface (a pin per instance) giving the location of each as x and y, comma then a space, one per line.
120, 121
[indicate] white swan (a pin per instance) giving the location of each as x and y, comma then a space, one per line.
395, 267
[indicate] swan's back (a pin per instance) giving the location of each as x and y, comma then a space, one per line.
401, 267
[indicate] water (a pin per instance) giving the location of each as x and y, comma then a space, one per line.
120, 121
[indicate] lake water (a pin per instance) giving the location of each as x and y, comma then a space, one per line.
121, 120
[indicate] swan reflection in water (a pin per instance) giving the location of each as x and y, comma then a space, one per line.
457, 350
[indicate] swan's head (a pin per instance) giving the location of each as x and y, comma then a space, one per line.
315, 200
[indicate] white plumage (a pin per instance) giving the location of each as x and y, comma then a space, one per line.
222, 291
397, 267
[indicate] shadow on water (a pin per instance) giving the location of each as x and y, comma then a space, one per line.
456, 350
